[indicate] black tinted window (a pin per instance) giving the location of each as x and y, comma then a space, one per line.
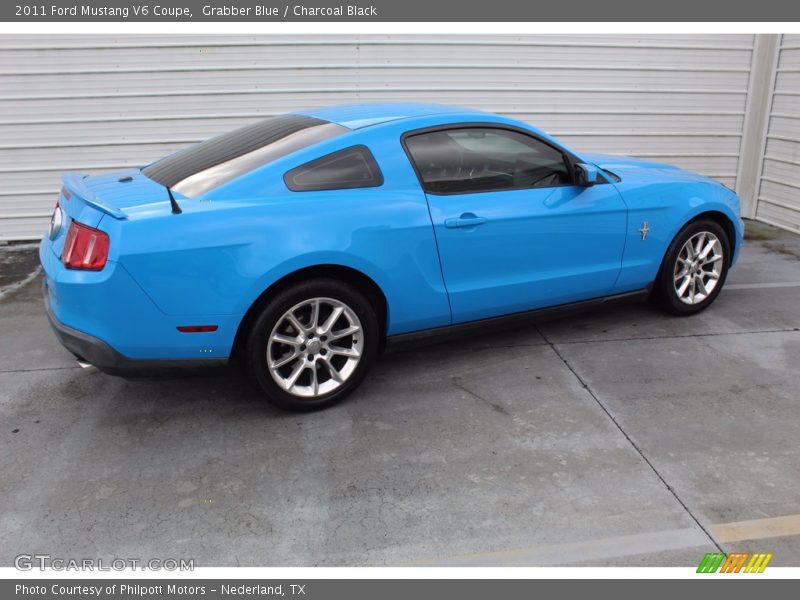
353, 167
481, 159
204, 166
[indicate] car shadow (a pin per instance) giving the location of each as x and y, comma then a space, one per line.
228, 390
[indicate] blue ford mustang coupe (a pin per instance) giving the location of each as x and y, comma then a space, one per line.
307, 243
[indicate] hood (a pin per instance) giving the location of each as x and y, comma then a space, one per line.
626, 166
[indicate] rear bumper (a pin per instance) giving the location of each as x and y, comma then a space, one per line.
82, 345
99, 354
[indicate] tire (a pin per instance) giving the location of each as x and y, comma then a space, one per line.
302, 362
690, 280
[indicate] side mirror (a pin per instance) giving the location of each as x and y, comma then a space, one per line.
585, 175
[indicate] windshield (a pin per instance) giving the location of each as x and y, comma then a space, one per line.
209, 164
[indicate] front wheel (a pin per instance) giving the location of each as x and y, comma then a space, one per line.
313, 344
694, 269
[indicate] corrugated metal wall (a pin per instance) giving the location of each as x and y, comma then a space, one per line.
779, 194
95, 103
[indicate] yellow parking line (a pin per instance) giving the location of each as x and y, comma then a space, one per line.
573, 552
757, 529
631, 545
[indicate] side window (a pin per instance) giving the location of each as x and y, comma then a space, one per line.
482, 159
353, 167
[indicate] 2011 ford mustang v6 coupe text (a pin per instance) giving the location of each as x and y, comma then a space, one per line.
306, 243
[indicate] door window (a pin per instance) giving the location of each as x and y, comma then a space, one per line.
483, 159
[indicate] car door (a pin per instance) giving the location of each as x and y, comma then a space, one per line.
514, 232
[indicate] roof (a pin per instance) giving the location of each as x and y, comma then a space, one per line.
356, 116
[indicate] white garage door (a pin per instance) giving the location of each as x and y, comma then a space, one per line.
779, 195
97, 103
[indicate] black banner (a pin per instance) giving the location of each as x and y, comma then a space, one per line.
394, 11
731, 588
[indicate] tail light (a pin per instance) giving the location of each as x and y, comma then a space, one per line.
65, 193
85, 248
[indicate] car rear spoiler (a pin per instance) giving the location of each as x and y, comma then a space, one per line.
74, 182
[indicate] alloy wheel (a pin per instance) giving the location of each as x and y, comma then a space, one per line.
315, 347
698, 267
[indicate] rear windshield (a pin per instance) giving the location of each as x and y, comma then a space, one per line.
209, 164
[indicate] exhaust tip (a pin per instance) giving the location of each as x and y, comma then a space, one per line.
89, 368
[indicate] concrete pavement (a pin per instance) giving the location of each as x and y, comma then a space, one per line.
624, 437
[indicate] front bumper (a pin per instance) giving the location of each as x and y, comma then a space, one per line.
99, 354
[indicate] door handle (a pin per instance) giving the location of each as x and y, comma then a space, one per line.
465, 220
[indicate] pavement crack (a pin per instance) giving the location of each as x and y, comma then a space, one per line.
463, 349
493, 405
617, 424
672, 337
36, 369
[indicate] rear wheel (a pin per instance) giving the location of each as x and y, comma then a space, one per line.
694, 268
313, 344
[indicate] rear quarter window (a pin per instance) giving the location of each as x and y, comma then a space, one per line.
351, 168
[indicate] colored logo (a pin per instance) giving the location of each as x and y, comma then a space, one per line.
736, 562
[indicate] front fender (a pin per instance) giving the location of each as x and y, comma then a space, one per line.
667, 208
726, 203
